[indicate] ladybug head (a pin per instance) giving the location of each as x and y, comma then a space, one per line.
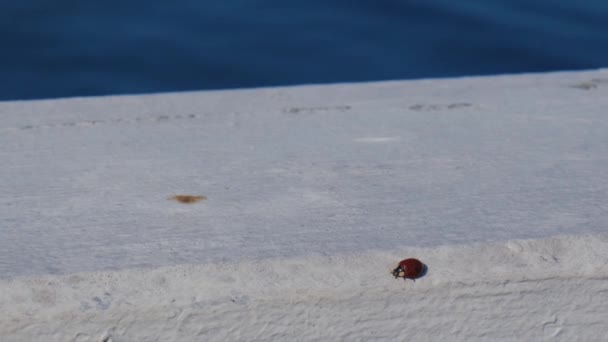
399, 272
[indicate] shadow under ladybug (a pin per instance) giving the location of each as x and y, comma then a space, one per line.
410, 269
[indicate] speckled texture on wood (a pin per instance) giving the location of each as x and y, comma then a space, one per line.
300, 170
335, 172
519, 290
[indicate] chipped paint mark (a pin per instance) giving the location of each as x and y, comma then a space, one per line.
593, 84
438, 107
310, 110
87, 123
585, 86
459, 105
103, 304
188, 199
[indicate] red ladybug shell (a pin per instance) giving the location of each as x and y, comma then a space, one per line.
412, 268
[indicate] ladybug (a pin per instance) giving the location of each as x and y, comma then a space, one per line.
409, 269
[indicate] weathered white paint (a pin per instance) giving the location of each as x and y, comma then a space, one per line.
520, 290
314, 193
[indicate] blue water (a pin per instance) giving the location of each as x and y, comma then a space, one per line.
74, 48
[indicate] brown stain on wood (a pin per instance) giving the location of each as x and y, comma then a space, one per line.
188, 199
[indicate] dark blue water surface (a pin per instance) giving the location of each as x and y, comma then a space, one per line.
73, 48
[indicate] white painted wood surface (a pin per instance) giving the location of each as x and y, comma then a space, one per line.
294, 171
313, 193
